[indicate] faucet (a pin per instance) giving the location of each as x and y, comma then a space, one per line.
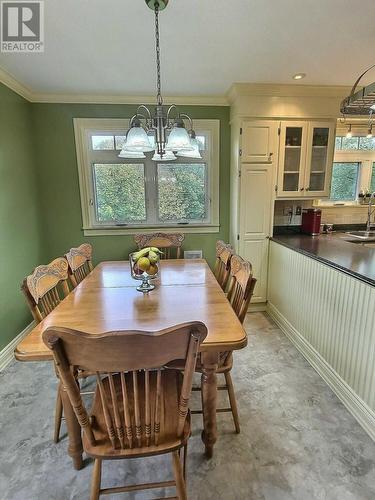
370, 211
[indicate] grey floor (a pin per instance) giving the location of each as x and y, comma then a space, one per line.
297, 440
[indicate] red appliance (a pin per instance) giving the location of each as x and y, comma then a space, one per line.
311, 218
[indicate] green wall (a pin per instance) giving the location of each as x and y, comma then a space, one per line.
21, 247
58, 179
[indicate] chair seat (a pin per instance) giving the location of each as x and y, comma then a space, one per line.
167, 440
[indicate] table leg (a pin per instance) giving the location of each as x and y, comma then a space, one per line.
209, 397
75, 448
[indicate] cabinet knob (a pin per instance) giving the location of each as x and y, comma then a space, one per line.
270, 157
302, 189
308, 188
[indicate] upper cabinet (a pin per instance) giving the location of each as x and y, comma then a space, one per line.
305, 159
258, 142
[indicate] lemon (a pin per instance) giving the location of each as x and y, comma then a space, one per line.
144, 263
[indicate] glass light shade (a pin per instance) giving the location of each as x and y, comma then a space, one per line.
168, 156
137, 140
131, 154
178, 140
194, 153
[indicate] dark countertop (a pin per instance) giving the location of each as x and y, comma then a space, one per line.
335, 250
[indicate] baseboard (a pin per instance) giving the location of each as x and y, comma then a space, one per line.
7, 354
364, 415
257, 307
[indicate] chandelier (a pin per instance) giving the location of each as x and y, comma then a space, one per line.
163, 131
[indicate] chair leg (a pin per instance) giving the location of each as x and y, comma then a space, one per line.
184, 462
58, 415
96, 479
179, 477
232, 400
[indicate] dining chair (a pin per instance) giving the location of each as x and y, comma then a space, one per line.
169, 243
241, 288
140, 408
224, 253
80, 263
44, 289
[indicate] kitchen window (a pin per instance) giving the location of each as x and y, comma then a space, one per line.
120, 195
353, 168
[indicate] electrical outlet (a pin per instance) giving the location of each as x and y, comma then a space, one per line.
288, 211
298, 210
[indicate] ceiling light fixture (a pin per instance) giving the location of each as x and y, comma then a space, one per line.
349, 132
164, 130
299, 76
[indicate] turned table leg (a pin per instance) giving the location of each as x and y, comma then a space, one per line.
209, 397
75, 449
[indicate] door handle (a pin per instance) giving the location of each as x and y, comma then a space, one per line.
270, 157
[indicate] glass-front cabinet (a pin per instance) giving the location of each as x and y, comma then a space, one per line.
305, 159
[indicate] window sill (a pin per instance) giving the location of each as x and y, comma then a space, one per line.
121, 231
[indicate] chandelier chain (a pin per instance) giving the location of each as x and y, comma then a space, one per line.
158, 71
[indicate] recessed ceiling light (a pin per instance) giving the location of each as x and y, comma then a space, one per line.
299, 76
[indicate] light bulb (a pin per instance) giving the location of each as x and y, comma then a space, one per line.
178, 138
137, 140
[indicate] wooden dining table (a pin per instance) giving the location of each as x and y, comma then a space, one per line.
107, 300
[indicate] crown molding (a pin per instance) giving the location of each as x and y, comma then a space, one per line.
11, 82
285, 90
37, 97
215, 100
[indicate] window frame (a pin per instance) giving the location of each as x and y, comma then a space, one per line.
84, 128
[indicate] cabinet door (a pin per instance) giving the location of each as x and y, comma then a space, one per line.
319, 160
255, 220
258, 141
292, 158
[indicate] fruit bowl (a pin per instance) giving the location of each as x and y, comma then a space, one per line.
145, 266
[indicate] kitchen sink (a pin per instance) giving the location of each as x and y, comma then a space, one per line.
362, 235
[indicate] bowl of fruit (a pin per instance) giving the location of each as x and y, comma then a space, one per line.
145, 266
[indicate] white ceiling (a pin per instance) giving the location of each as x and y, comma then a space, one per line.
107, 47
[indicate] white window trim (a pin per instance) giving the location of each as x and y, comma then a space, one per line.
83, 127
365, 158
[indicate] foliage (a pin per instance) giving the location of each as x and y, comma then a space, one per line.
344, 181
182, 192
120, 192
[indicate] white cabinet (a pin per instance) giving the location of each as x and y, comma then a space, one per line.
255, 221
258, 141
305, 159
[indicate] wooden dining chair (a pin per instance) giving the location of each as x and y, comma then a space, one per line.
80, 263
169, 243
241, 288
44, 289
140, 409
224, 253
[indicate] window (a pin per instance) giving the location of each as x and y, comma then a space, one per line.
355, 143
120, 195
344, 181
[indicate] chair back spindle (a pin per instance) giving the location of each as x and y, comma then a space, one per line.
169, 243
241, 286
130, 378
80, 263
41, 288
224, 253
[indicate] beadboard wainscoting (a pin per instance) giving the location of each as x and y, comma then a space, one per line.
330, 317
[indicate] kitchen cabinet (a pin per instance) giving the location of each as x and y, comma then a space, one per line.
256, 169
305, 159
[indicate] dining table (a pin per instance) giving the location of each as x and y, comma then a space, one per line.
107, 300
